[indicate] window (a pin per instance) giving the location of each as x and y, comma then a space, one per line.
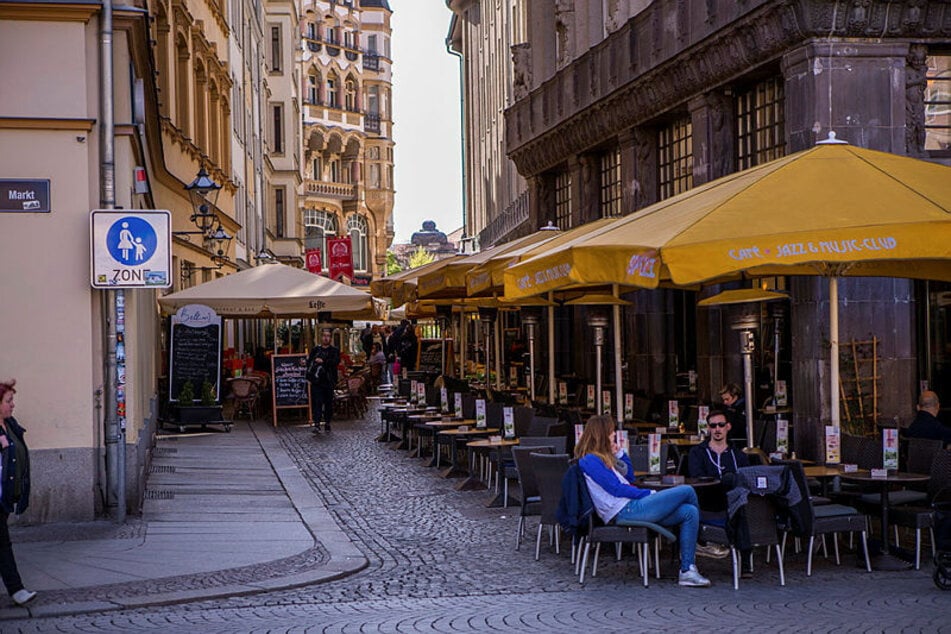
938, 103
348, 39
373, 100
318, 226
311, 30
371, 44
357, 228
182, 77
609, 177
760, 124
277, 113
563, 200
313, 81
675, 157
374, 176
279, 219
332, 100
335, 171
276, 55
350, 95
317, 171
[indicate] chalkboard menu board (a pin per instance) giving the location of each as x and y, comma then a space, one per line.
289, 380
431, 355
195, 350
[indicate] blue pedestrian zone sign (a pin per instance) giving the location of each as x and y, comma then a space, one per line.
130, 248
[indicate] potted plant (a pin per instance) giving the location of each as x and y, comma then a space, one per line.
207, 410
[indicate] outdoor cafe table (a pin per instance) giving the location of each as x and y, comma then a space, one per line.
500, 498
473, 482
454, 435
656, 482
432, 428
886, 559
417, 421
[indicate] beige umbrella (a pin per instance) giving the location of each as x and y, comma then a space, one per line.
272, 290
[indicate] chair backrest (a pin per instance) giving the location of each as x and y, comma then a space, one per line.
558, 429
468, 406
539, 425
549, 472
493, 414
940, 472
799, 476
866, 452
523, 420
761, 520
921, 454
640, 455
405, 386
556, 443
756, 456
433, 396
526, 473
642, 408
244, 388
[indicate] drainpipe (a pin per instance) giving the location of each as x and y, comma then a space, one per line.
114, 432
462, 127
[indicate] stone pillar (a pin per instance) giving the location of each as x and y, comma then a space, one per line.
856, 89
644, 184
541, 203
714, 142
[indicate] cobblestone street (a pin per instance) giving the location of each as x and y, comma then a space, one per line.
441, 561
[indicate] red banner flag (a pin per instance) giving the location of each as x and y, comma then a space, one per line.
340, 251
313, 261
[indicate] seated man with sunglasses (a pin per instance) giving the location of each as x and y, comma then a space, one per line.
716, 458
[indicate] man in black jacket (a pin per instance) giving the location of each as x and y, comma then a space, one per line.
926, 423
322, 365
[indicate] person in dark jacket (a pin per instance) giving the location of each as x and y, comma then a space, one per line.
926, 423
14, 490
734, 406
322, 365
409, 346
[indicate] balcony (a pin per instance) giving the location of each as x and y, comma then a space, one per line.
371, 61
326, 189
313, 46
371, 123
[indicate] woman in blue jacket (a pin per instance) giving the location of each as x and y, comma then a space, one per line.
609, 474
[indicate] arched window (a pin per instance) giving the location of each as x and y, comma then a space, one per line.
201, 106
182, 81
350, 95
312, 30
359, 239
318, 226
313, 90
332, 99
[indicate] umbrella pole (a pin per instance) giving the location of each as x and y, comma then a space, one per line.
463, 342
834, 349
498, 351
618, 384
551, 349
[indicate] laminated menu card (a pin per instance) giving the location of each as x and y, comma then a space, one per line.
444, 400
832, 444
562, 393
412, 391
508, 422
673, 414
513, 375
628, 407
458, 409
579, 429
624, 440
421, 392
480, 413
653, 454
606, 401
890, 449
703, 412
782, 435
780, 395
590, 397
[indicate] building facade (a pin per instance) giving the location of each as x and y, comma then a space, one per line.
628, 103
487, 36
347, 124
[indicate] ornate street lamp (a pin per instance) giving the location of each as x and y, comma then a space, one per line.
599, 323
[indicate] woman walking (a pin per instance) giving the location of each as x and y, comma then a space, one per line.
14, 489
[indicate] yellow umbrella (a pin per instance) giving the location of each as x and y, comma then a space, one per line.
488, 277
390, 285
831, 210
450, 281
742, 296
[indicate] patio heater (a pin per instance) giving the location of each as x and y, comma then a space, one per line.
746, 324
599, 323
487, 316
530, 319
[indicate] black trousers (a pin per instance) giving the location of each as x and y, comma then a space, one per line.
8, 564
322, 403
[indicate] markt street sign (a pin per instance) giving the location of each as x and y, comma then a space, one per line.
21, 195
130, 248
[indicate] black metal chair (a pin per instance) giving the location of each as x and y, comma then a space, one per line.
531, 497
823, 520
549, 472
918, 517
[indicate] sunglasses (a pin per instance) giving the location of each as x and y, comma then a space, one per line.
716, 425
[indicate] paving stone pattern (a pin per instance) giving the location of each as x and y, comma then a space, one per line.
442, 562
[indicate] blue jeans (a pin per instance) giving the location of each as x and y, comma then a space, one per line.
676, 506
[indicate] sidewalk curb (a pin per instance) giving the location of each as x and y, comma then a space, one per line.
344, 559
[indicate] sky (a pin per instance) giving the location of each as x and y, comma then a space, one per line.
426, 119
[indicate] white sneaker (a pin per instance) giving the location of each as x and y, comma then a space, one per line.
24, 596
692, 578
714, 551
